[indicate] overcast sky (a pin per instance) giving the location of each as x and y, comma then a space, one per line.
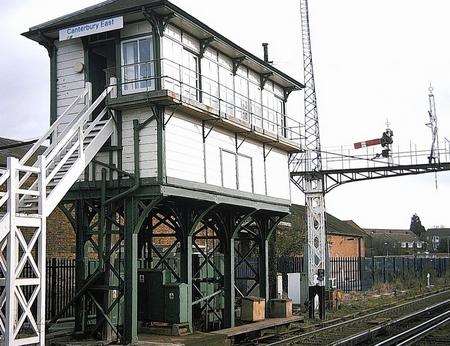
373, 60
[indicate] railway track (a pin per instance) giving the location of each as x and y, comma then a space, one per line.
403, 324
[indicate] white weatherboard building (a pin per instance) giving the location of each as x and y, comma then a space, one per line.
169, 154
225, 122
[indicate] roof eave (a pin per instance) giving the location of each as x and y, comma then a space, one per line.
35, 33
228, 42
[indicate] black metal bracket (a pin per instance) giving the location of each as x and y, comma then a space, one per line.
287, 91
158, 22
244, 139
237, 62
171, 115
264, 78
204, 44
266, 152
156, 110
204, 133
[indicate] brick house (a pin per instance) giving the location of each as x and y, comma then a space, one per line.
439, 239
345, 238
60, 234
389, 241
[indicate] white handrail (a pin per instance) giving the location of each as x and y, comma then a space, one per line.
67, 135
53, 130
54, 126
79, 143
80, 122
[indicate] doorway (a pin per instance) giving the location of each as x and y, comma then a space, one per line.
102, 61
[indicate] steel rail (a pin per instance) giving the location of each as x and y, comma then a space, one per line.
363, 336
425, 332
418, 331
354, 320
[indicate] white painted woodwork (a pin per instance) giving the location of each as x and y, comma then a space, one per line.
69, 84
255, 151
147, 143
229, 169
134, 29
277, 174
245, 173
188, 159
184, 148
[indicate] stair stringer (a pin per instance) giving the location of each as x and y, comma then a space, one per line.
64, 185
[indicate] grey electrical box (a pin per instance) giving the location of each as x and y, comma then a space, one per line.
176, 303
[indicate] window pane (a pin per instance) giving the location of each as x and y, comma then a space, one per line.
189, 75
226, 91
144, 50
138, 72
130, 55
229, 170
130, 71
145, 67
241, 87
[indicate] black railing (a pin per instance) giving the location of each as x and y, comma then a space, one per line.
60, 286
218, 95
349, 274
362, 274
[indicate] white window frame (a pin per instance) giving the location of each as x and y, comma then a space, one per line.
252, 183
152, 82
236, 158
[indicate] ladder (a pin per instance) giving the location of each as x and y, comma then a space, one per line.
31, 188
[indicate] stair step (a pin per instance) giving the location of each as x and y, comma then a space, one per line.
25, 209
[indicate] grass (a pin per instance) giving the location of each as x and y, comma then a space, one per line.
385, 294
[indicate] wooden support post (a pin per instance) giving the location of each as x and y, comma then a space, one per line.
130, 302
186, 271
229, 290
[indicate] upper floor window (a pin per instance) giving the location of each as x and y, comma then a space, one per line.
189, 75
138, 71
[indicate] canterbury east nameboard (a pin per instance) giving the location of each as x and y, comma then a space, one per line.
91, 28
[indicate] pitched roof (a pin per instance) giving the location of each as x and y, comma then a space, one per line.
112, 8
104, 8
440, 231
398, 235
10, 147
334, 225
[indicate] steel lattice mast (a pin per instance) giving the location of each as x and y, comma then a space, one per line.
313, 182
433, 125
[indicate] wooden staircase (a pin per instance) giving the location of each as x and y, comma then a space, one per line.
33, 187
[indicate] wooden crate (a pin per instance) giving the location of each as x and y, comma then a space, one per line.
253, 309
280, 308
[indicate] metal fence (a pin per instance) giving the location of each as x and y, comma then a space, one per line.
361, 274
60, 286
349, 274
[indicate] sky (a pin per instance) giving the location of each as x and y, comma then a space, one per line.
374, 60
